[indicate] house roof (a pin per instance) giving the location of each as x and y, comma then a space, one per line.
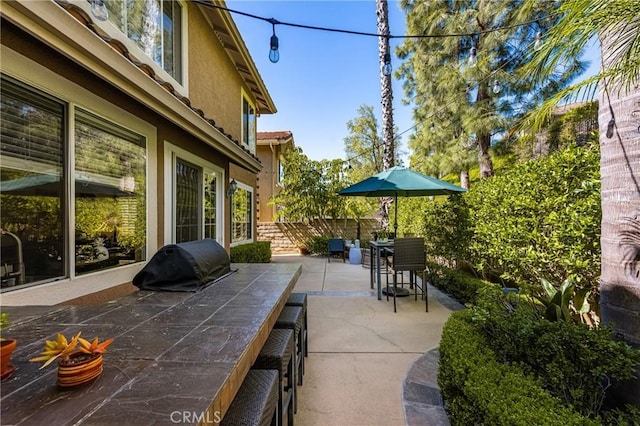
279, 137
229, 35
243, 62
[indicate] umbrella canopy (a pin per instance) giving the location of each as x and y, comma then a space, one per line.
400, 182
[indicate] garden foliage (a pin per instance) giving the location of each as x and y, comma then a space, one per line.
256, 252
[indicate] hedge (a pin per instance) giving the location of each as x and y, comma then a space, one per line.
257, 252
478, 389
460, 285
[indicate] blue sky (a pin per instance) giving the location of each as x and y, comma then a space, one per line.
322, 77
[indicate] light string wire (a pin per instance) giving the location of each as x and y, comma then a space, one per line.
275, 22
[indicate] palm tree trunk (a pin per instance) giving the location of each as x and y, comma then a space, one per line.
382, 12
619, 121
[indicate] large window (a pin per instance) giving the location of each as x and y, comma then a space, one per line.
248, 125
242, 214
50, 152
155, 26
194, 187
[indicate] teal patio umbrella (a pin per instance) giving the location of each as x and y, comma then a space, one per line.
400, 182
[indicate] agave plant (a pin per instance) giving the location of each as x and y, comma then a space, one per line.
63, 349
566, 303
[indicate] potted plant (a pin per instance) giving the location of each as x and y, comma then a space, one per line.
7, 346
77, 365
383, 236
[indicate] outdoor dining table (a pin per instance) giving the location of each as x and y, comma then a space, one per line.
376, 249
177, 357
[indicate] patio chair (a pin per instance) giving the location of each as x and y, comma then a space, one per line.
336, 248
409, 256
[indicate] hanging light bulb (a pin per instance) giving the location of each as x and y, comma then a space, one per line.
537, 44
99, 9
274, 55
473, 59
496, 87
386, 68
432, 127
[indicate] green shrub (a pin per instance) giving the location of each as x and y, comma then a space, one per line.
256, 252
575, 363
540, 220
477, 389
460, 285
318, 245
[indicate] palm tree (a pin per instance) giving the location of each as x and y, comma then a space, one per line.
382, 12
617, 25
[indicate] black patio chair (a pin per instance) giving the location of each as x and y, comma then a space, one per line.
336, 248
409, 256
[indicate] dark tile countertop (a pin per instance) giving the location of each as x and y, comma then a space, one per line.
176, 357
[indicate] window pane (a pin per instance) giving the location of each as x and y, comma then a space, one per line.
241, 215
110, 202
31, 187
188, 190
155, 26
210, 213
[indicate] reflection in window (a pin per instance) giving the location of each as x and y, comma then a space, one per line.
110, 203
31, 187
242, 212
187, 201
153, 25
210, 210
248, 125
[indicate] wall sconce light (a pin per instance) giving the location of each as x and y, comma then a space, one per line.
99, 9
233, 186
386, 67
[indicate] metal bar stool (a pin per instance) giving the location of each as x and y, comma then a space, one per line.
278, 353
256, 402
300, 299
292, 318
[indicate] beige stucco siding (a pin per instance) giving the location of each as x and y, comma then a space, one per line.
214, 83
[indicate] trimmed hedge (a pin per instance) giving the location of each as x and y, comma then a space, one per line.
478, 389
460, 285
256, 252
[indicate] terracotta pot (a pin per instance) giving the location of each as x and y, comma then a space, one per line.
6, 349
80, 369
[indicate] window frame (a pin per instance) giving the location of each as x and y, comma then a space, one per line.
245, 138
114, 32
251, 190
32, 74
172, 153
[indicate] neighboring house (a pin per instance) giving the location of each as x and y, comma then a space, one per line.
270, 150
120, 136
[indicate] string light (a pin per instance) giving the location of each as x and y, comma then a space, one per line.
496, 87
386, 68
274, 55
537, 44
432, 127
473, 58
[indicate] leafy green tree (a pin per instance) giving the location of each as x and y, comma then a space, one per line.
310, 189
618, 28
468, 86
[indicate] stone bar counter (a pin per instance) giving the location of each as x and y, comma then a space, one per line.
177, 357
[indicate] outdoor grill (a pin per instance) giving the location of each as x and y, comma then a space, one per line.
184, 267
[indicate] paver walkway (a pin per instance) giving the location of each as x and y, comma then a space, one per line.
367, 365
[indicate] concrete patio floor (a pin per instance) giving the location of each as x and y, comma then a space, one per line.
367, 365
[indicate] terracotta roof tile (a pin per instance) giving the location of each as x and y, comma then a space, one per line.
86, 20
277, 135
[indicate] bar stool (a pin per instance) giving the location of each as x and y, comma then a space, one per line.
256, 402
300, 299
292, 318
278, 353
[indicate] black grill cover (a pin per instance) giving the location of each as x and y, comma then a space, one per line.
184, 266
